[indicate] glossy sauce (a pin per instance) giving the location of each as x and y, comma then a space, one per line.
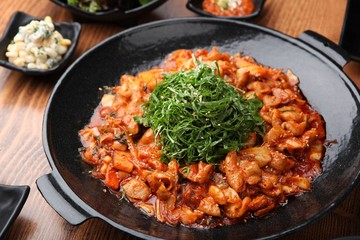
247, 184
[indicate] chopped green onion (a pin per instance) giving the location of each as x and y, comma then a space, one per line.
200, 117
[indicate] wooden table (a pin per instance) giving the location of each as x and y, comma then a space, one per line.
23, 100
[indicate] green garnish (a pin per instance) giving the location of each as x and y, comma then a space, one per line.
185, 170
120, 137
199, 116
143, 2
47, 33
123, 195
94, 7
222, 3
72, 2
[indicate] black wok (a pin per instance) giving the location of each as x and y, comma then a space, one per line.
76, 196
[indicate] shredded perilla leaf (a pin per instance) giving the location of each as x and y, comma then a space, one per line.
199, 117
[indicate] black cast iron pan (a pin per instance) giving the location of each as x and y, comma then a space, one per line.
76, 196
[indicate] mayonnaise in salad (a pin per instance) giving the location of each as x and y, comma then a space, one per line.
37, 45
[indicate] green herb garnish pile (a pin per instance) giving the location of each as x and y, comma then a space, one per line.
93, 6
200, 117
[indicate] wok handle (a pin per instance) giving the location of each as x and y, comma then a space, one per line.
326, 46
350, 34
62, 199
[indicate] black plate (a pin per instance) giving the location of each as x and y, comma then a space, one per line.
77, 196
112, 15
12, 199
68, 30
196, 7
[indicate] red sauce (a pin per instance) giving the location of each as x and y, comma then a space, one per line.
239, 8
247, 184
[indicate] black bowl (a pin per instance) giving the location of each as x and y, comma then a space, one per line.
113, 15
68, 30
77, 196
12, 200
196, 7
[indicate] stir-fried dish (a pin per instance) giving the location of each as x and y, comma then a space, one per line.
206, 139
229, 8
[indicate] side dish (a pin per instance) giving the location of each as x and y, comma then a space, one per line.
103, 5
37, 45
206, 139
229, 7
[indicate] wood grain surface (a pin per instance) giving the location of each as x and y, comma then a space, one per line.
23, 100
